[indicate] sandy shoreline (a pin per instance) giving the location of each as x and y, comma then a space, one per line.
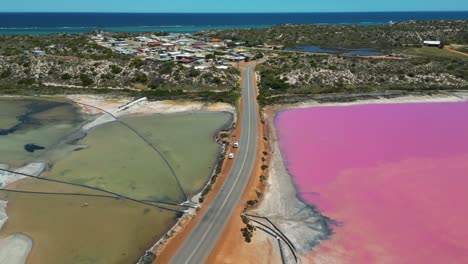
304, 226
436, 98
123, 106
15, 249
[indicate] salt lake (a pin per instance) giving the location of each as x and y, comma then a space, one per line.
393, 176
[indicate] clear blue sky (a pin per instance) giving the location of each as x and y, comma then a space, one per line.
197, 6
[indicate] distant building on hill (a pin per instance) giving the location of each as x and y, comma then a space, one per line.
432, 43
38, 52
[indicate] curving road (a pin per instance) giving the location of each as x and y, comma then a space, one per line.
206, 234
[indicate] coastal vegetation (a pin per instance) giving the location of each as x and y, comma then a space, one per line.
75, 64
410, 33
293, 77
70, 45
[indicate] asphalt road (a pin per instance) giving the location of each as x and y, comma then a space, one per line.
205, 235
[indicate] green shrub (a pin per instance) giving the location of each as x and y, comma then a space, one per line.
116, 69
66, 76
86, 80
141, 77
6, 73
27, 81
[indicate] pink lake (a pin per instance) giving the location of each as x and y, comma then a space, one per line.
395, 176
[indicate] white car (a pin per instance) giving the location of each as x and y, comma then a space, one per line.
236, 144
231, 156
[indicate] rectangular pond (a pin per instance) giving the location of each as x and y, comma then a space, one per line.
393, 176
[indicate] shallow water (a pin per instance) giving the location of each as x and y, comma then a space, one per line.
117, 160
394, 176
79, 229
33, 121
84, 229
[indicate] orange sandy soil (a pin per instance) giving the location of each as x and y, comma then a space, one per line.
169, 249
449, 48
231, 247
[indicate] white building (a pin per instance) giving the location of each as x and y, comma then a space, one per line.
432, 43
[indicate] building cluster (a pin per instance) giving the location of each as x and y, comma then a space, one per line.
180, 48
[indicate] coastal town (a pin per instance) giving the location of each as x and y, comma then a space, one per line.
199, 53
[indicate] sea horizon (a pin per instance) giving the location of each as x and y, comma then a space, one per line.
83, 22
317, 12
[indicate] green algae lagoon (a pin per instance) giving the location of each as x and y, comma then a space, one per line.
118, 160
89, 228
33, 121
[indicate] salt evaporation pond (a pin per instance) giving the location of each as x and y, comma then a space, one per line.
393, 175
40, 122
84, 229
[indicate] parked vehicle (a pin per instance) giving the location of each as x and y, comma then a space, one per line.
231, 156
236, 144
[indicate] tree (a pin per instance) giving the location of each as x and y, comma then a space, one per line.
6, 73
141, 77
194, 72
154, 85
66, 76
116, 69
137, 63
86, 80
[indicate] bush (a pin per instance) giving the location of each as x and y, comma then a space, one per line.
66, 76
194, 72
27, 81
116, 69
6, 73
154, 85
86, 80
166, 68
245, 219
216, 80
141, 77
247, 234
252, 203
107, 76
137, 63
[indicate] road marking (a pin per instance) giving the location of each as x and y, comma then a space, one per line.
240, 171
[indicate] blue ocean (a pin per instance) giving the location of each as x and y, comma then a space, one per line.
46, 23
